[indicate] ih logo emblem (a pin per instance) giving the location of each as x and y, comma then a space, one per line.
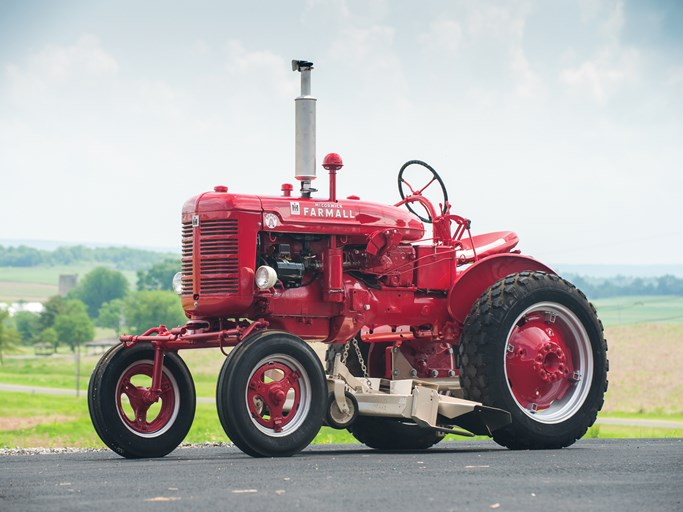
295, 208
195, 221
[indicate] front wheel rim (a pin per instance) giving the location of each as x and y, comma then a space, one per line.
278, 395
548, 362
133, 407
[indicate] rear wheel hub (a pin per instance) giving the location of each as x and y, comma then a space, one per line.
547, 347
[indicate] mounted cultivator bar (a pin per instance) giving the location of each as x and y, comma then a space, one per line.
427, 333
193, 335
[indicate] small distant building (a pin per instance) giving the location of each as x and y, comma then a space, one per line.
44, 349
66, 283
16, 307
100, 346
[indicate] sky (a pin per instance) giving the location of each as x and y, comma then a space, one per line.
561, 121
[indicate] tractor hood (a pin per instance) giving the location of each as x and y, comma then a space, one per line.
307, 215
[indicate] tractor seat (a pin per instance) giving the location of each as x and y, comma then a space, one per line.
486, 245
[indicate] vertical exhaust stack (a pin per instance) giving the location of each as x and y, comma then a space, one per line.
305, 129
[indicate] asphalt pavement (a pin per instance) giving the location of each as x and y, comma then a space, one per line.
614, 475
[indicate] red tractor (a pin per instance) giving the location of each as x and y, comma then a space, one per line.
427, 333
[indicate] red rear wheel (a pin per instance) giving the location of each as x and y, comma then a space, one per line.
549, 362
533, 345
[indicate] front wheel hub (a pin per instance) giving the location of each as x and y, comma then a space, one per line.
267, 392
135, 400
278, 396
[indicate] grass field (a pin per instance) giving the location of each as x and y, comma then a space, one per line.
32, 420
58, 421
634, 310
645, 368
645, 383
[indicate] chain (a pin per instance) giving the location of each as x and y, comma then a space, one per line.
360, 358
361, 361
345, 354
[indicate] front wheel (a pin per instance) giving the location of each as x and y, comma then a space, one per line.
271, 395
121, 412
533, 345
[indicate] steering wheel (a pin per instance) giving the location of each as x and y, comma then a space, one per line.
419, 191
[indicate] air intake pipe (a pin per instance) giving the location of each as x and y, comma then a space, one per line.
305, 129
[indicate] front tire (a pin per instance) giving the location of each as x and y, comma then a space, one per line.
271, 395
533, 345
121, 417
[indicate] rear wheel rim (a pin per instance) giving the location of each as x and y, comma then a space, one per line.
278, 395
548, 362
136, 414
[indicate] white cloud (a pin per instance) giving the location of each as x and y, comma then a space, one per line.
62, 66
504, 29
333, 7
614, 23
373, 46
201, 47
252, 69
608, 15
528, 82
496, 22
368, 58
443, 36
602, 75
486, 43
674, 77
611, 64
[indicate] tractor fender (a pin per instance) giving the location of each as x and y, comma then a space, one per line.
474, 280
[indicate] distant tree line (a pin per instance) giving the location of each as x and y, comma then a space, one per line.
103, 299
618, 286
121, 258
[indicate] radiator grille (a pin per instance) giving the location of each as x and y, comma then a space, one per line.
186, 258
218, 256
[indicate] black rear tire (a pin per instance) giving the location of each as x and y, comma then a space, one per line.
391, 434
534, 346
